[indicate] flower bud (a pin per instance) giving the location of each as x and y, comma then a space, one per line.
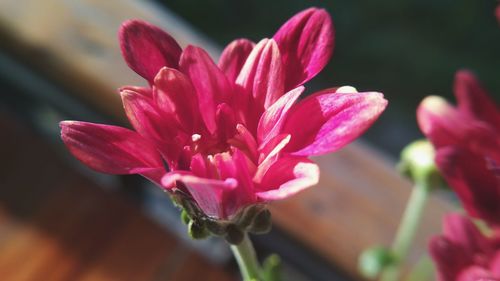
417, 163
373, 260
262, 222
197, 230
234, 235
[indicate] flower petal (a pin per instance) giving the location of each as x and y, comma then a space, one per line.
111, 149
444, 125
271, 121
175, 96
161, 129
476, 273
449, 258
146, 48
209, 81
234, 56
475, 180
327, 121
263, 74
209, 194
306, 44
287, 176
473, 99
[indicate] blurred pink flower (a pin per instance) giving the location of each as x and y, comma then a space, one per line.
232, 133
463, 253
467, 140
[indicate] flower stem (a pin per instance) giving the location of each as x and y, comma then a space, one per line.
247, 260
406, 231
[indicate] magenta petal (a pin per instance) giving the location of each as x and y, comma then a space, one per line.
146, 48
263, 74
111, 149
175, 95
209, 81
449, 258
208, 193
306, 44
234, 56
473, 99
287, 176
161, 129
271, 121
444, 125
463, 232
475, 273
326, 121
475, 181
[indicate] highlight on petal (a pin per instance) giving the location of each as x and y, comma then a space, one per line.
271, 121
473, 100
146, 48
474, 179
110, 149
209, 81
234, 56
287, 176
327, 120
306, 44
263, 73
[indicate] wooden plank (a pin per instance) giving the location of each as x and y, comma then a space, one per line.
359, 199
78, 231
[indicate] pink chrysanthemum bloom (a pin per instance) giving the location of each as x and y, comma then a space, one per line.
467, 142
463, 253
233, 134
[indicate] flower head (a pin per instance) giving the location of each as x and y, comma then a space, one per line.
467, 142
463, 253
233, 134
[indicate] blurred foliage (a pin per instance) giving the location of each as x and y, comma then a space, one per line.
405, 49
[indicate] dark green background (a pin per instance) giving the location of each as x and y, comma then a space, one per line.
405, 49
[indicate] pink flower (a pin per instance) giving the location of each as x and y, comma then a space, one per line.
463, 253
467, 142
232, 134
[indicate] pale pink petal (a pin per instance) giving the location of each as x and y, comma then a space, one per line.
263, 73
209, 194
327, 121
473, 99
271, 121
269, 155
175, 95
234, 56
110, 149
287, 176
306, 44
209, 81
475, 181
145, 91
146, 48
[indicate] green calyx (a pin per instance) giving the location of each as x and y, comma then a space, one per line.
373, 260
252, 219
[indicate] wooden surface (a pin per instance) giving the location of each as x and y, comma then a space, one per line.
55, 225
359, 199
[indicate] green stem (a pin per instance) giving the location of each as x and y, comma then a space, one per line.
406, 231
247, 260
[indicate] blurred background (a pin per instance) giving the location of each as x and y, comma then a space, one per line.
59, 60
